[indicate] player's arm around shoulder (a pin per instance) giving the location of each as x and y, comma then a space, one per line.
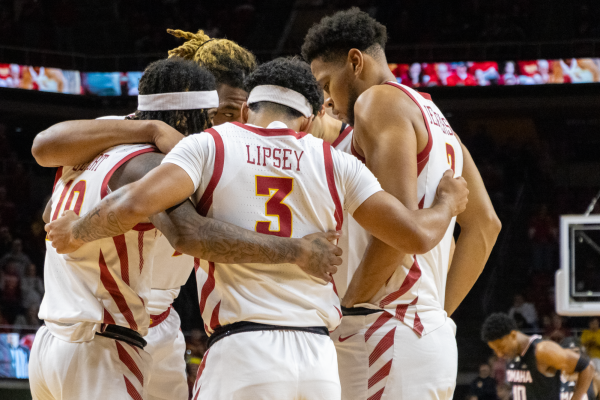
78, 142
551, 357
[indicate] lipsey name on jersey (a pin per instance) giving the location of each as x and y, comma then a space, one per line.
516, 376
278, 158
438, 120
91, 166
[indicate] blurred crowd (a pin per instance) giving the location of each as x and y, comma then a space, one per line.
118, 26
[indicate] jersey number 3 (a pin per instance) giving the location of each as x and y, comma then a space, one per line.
277, 189
450, 156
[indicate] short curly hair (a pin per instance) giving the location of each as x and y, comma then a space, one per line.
229, 62
496, 326
173, 75
291, 73
334, 36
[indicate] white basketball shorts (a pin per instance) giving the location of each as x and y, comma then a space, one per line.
102, 368
269, 365
166, 345
380, 358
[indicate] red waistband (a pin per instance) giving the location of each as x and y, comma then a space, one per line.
157, 319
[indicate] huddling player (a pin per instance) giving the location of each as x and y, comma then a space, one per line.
397, 338
98, 297
568, 382
268, 324
535, 365
77, 142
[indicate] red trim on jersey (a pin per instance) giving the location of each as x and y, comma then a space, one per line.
338, 310
378, 395
339, 211
207, 197
196, 264
271, 132
382, 373
422, 203
214, 318
129, 363
121, 246
108, 319
426, 96
59, 172
143, 227
157, 319
383, 318
131, 391
104, 187
418, 326
342, 136
355, 153
423, 156
384, 344
141, 249
111, 286
402, 308
60, 201
208, 286
133, 348
411, 278
333, 283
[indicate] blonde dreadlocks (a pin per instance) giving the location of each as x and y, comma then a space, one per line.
229, 62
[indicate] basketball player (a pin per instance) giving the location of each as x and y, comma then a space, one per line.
568, 382
95, 303
77, 142
219, 241
399, 338
535, 365
268, 325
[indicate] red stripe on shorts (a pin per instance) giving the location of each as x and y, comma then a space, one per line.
383, 318
129, 362
382, 373
135, 395
384, 344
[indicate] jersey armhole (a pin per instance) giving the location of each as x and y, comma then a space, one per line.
339, 211
207, 197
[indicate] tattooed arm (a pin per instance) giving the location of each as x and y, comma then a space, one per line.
189, 232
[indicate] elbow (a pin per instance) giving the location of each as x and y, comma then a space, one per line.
493, 225
38, 150
423, 242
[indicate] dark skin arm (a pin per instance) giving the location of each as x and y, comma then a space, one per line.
480, 227
209, 239
551, 357
78, 142
384, 133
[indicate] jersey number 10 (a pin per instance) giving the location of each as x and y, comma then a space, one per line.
78, 188
277, 189
519, 392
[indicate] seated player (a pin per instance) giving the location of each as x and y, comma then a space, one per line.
535, 365
95, 306
268, 325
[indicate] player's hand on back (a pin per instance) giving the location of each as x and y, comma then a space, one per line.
453, 191
60, 233
320, 256
166, 137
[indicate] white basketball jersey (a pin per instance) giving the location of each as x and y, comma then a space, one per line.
171, 269
415, 293
278, 182
108, 280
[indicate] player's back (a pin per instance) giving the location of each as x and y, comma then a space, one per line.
277, 182
105, 281
415, 292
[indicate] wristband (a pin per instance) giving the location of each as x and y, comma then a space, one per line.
582, 363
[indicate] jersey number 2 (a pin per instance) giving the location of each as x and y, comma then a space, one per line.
277, 189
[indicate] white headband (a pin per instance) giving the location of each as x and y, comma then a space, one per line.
281, 95
178, 101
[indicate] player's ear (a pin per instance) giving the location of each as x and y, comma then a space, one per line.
306, 123
356, 61
245, 113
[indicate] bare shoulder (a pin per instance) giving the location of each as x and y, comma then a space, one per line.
135, 169
386, 101
547, 348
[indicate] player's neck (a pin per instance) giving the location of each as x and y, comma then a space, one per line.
331, 129
523, 341
264, 119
